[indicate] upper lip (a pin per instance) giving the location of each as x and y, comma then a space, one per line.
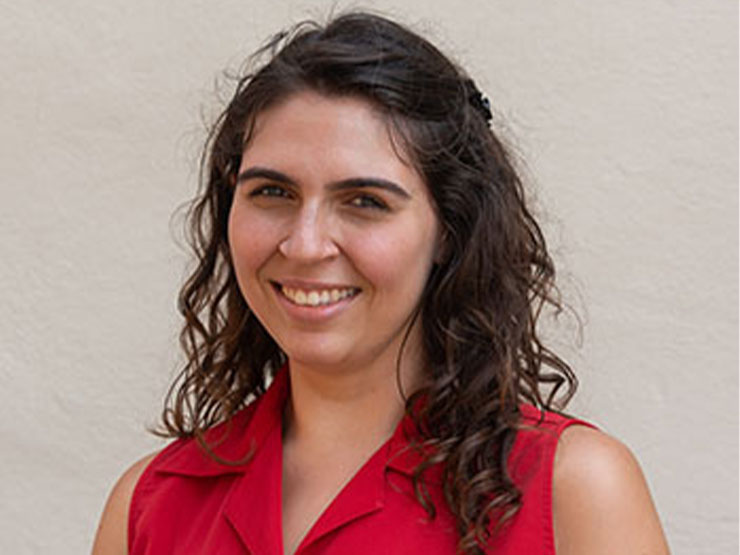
309, 285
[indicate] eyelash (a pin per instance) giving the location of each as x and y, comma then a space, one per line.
362, 201
269, 191
368, 201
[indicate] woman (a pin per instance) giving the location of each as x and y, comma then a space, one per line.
363, 241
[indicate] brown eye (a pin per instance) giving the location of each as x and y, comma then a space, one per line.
368, 201
270, 191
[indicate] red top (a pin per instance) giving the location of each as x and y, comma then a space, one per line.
185, 502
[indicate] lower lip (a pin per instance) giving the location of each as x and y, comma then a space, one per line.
310, 313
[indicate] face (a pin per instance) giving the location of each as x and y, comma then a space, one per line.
332, 235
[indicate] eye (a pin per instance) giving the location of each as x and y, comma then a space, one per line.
275, 191
368, 201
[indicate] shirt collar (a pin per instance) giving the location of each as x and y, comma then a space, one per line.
236, 440
239, 439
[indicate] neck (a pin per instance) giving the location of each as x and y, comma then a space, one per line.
355, 407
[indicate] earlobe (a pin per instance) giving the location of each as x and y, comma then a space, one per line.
441, 249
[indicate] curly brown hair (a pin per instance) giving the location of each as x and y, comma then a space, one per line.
481, 304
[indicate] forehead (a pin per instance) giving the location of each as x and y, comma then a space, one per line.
343, 132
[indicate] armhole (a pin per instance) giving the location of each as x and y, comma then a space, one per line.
547, 490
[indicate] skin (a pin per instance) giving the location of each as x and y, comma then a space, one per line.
601, 501
323, 201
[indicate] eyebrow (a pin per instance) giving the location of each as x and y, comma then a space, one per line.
343, 184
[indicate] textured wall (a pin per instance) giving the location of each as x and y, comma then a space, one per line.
626, 115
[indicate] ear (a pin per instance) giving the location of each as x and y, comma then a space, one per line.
441, 247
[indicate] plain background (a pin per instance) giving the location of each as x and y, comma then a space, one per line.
625, 114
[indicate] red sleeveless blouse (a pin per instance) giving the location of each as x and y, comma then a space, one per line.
186, 503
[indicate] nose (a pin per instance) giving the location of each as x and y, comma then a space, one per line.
310, 237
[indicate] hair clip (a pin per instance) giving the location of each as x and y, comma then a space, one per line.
479, 101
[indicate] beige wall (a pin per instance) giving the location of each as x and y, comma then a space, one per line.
626, 113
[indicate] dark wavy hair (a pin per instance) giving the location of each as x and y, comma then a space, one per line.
481, 304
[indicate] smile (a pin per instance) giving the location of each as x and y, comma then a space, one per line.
317, 297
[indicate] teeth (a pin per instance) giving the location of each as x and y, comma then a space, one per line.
317, 298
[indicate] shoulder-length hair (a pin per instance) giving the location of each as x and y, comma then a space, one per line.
481, 304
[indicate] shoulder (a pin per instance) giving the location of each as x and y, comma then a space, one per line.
111, 537
601, 501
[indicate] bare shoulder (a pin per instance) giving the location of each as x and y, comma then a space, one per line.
601, 501
111, 537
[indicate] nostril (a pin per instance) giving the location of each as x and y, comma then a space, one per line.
304, 244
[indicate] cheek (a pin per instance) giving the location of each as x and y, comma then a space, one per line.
250, 243
396, 263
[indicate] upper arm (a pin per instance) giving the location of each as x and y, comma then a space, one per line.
601, 502
112, 535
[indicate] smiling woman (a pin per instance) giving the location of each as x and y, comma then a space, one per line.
365, 248
332, 235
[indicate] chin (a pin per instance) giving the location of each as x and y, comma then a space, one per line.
319, 361
318, 355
